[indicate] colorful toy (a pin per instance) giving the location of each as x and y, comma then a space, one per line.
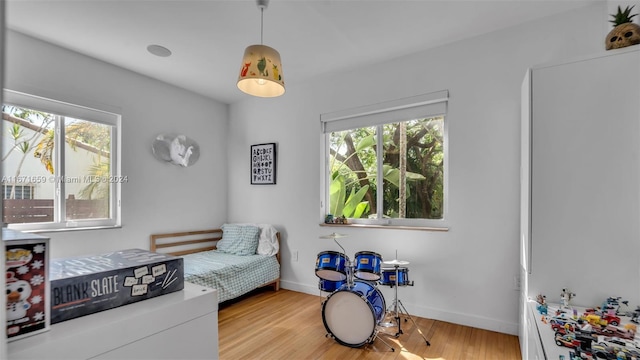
563, 328
18, 293
631, 327
592, 315
565, 297
568, 340
558, 322
614, 331
635, 315
542, 309
613, 305
27, 285
542, 304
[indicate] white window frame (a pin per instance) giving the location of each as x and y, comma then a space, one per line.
93, 114
416, 107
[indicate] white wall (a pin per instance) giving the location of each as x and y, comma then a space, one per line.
158, 197
465, 275
3, 300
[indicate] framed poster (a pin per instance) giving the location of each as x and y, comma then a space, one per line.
263, 164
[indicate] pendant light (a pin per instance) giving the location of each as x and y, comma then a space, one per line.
261, 69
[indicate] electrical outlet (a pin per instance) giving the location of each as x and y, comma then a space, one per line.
516, 282
295, 255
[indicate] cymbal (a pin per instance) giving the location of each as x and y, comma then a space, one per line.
396, 262
333, 236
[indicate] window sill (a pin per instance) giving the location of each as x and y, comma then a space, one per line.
54, 230
396, 227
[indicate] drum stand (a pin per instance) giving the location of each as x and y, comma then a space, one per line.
384, 342
348, 266
399, 307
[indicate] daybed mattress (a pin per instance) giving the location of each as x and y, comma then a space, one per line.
231, 275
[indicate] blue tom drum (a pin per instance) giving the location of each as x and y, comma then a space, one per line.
331, 265
330, 286
389, 276
367, 266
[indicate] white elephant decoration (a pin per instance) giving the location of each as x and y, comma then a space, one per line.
176, 149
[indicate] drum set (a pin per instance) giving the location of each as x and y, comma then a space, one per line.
355, 307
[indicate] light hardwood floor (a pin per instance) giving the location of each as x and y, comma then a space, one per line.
288, 325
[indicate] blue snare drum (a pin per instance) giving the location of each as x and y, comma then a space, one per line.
331, 265
389, 276
367, 266
350, 314
329, 286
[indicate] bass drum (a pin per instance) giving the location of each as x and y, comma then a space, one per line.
351, 314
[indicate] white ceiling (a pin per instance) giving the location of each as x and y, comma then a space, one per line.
208, 37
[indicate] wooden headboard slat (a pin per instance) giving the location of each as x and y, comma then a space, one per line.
187, 233
186, 242
186, 238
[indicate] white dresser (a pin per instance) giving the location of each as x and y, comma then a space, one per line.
180, 325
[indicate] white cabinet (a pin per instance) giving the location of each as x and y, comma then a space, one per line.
535, 349
580, 224
191, 340
180, 325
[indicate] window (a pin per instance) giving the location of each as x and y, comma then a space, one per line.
60, 165
386, 163
17, 191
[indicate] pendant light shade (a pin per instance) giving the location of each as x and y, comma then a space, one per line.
261, 72
261, 68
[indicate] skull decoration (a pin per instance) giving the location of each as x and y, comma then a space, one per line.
623, 35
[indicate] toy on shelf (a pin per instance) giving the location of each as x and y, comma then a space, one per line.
565, 297
615, 331
607, 331
592, 315
613, 305
595, 334
542, 306
330, 219
635, 315
568, 340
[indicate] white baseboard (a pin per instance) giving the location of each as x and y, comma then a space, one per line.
472, 320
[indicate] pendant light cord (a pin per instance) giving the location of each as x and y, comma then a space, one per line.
261, 23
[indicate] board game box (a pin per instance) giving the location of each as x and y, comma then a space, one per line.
27, 283
86, 285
